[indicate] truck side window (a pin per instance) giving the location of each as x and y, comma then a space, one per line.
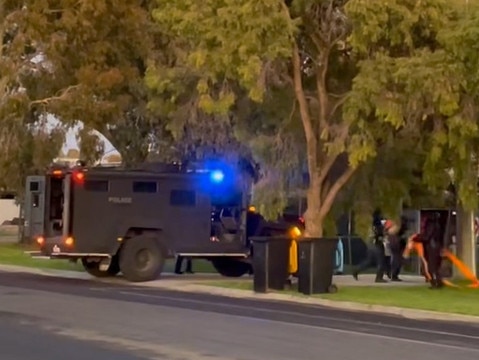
96, 185
145, 187
182, 198
34, 186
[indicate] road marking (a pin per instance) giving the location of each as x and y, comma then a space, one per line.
377, 336
319, 317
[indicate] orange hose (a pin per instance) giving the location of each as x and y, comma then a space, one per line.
419, 249
468, 274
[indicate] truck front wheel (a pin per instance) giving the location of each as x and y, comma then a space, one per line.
231, 267
141, 259
93, 268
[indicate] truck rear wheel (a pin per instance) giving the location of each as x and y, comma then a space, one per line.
141, 259
231, 267
93, 268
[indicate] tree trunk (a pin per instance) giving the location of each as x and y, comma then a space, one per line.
319, 204
313, 222
466, 239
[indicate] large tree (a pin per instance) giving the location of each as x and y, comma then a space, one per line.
298, 46
26, 144
429, 64
366, 78
90, 58
420, 76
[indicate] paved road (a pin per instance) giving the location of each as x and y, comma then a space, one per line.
23, 338
51, 318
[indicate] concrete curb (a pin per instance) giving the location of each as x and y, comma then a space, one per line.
172, 284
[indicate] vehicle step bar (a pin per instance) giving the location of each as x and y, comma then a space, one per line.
213, 254
39, 254
68, 254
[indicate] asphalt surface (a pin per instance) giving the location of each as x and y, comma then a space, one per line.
52, 318
23, 339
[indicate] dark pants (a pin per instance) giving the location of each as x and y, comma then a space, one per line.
179, 262
387, 266
423, 269
396, 260
375, 257
434, 261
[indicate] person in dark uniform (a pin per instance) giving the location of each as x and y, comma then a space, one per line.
420, 239
179, 262
432, 240
397, 247
376, 253
402, 234
394, 243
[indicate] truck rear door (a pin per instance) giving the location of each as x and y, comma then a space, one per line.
58, 204
34, 206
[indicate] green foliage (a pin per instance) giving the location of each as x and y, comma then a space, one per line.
89, 60
211, 85
91, 149
420, 77
391, 84
237, 49
80, 61
224, 40
27, 150
274, 133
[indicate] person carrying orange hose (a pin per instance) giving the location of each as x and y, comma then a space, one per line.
428, 246
430, 250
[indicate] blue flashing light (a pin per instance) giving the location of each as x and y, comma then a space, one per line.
217, 176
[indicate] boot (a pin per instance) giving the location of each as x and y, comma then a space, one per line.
435, 284
356, 275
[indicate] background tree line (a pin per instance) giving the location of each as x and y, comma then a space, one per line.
353, 103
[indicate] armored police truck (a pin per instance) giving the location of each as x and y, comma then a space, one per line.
132, 220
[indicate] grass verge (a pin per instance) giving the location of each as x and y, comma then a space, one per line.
14, 254
447, 300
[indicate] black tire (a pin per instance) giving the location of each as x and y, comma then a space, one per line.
93, 268
332, 289
142, 259
231, 267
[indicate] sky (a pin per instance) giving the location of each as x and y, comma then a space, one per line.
71, 141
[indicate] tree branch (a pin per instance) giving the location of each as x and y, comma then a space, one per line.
326, 167
62, 96
311, 139
321, 87
334, 190
341, 99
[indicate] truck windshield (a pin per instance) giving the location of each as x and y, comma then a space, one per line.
228, 197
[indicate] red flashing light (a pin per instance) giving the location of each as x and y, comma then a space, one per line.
57, 173
78, 176
40, 240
